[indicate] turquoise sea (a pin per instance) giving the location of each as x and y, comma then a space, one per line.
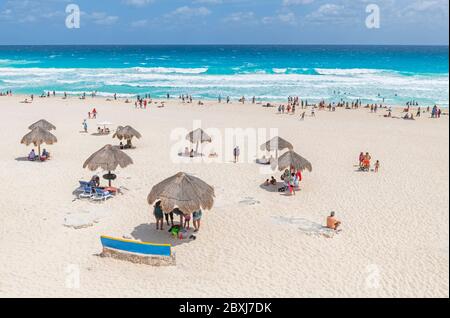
396, 74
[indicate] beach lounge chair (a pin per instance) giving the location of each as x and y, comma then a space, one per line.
86, 192
83, 184
101, 194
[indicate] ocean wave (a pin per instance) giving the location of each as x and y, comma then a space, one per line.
8, 62
169, 70
332, 84
349, 72
279, 70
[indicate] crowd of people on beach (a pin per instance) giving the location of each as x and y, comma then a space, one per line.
177, 230
291, 181
7, 93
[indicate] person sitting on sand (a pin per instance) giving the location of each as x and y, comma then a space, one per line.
121, 145
95, 181
332, 222
159, 215
266, 183
273, 181
45, 154
32, 155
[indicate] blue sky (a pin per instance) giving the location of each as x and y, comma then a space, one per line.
224, 22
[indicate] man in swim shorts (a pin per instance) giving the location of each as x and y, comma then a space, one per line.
332, 222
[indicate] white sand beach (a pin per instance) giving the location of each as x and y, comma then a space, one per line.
254, 242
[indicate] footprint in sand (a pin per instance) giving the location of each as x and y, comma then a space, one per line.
249, 201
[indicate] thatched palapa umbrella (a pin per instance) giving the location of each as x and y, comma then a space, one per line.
37, 137
126, 133
292, 159
108, 158
276, 143
42, 124
198, 136
182, 191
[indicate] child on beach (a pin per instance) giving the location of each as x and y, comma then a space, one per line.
377, 165
187, 220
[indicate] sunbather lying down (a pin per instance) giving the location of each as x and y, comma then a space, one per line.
264, 160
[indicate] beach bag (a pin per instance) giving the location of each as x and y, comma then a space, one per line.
174, 230
183, 234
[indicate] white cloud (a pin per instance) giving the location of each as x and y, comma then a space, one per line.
240, 17
139, 23
296, 2
138, 3
29, 11
100, 18
426, 9
189, 12
331, 13
208, 1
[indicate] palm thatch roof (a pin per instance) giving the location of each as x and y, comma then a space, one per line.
182, 191
42, 124
277, 143
294, 160
108, 158
39, 136
126, 132
198, 136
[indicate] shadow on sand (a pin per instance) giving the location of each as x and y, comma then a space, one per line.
26, 159
147, 233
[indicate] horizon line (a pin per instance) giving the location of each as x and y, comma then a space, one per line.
236, 44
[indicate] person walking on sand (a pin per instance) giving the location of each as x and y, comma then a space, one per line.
332, 222
236, 153
85, 126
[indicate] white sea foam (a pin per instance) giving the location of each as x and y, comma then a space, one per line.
8, 62
349, 84
279, 70
348, 72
